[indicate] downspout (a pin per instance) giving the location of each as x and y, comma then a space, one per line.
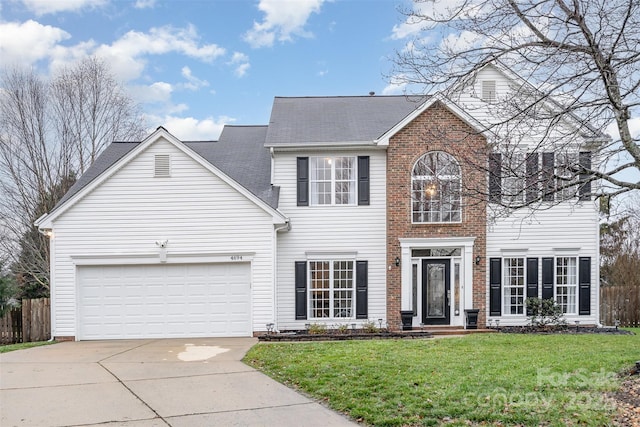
286, 226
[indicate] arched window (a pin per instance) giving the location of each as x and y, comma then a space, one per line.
436, 189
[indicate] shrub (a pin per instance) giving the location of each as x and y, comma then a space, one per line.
317, 329
369, 327
544, 313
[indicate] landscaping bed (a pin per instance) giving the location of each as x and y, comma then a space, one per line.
341, 336
562, 329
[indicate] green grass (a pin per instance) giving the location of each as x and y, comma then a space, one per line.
21, 346
495, 379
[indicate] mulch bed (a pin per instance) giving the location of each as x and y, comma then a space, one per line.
627, 399
301, 336
567, 329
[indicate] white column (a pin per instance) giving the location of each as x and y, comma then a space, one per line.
406, 293
468, 263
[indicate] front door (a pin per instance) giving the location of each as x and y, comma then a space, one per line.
435, 292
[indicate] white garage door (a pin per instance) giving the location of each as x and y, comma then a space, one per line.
164, 301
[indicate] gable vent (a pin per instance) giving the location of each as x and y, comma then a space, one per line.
162, 166
489, 90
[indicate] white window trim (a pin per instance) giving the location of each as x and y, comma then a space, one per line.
504, 286
331, 289
574, 285
439, 177
312, 182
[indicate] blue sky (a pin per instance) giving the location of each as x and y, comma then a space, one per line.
197, 65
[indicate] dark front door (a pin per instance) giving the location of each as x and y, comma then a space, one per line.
435, 291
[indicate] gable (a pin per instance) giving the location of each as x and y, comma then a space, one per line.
135, 194
117, 156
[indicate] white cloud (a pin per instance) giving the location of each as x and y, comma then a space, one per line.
145, 4
193, 83
283, 18
241, 62
156, 92
192, 129
26, 43
396, 86
440, 11
126, 55
43, 7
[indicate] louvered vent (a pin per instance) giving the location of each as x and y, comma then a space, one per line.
162, 166
489, 90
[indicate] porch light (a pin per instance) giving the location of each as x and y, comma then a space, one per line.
397, 261
478, 259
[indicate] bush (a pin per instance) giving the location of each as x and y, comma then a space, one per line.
544, 313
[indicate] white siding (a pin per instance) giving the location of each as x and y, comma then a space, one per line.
194, 210
360, 229
548, 233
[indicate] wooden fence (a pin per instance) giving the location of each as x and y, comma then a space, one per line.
621, 303
31, 322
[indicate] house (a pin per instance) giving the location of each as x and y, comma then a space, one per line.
342, 210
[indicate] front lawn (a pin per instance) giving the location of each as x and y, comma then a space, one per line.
21, 346
499, 379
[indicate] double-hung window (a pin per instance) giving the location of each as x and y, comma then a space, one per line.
567, 284
333, 180
513, 179
331, 289
514, 285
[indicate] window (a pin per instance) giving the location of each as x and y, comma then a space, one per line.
333, 180
566, 178
436, 189
514, 279
331, 289
567, 284
513, 179
489, 90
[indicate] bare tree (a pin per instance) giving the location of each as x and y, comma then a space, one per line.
50, 132
575, 66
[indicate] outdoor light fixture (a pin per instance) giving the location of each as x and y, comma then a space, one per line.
478, 259
577, 325
270, 327
397, 261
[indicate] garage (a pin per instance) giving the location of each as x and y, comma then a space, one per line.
164, 301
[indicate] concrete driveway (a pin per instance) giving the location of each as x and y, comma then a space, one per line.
181, 382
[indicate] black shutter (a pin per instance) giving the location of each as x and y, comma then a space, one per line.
363, 180
584, 294
584, 192
547, 278
548, 176
301, 290
532, 279
362, 280
533, 177
495, 177
495, 282
303, 181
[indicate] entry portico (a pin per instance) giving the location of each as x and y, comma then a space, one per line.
437, 279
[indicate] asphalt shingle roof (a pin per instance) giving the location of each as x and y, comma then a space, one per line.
337, 119
242, 152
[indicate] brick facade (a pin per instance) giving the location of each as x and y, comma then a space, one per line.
435, 129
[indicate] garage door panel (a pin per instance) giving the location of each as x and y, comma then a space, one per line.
165, 300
